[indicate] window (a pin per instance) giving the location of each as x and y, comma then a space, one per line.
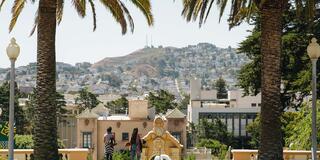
125, 136
253, 104
177, 135
86, 139
259, 104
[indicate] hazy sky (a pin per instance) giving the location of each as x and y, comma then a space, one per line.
76, 42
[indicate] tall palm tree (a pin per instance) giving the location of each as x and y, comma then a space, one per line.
48, 15
271, 30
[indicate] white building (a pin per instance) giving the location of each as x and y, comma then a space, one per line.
236, 111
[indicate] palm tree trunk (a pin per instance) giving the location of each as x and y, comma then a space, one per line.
45, 133
271, 31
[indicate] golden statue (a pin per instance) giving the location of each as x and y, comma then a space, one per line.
160, 141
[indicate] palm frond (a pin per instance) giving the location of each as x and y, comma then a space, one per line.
80, 6
235, 7
197, 9
209, 9
185, 4
223, 5
93, 9
251, 9
59, 10
145, 8
16, 10
1, 4
35, 24
126, 11
114, 7
191, 8
203, 10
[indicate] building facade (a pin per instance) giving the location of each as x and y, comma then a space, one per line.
237, 111
92, 125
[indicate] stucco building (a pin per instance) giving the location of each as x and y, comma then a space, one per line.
92, 125
236, 111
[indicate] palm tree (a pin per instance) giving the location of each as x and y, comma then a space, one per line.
271, 31
48, 15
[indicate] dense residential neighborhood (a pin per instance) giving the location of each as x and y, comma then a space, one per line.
191, 80
148, 69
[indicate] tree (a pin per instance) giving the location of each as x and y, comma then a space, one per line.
298, 130
162, 101
254, 129
295, 68
19, 117
271, 31
183, 105
118, 106
31, 105
218, 149
26, 142
86, 99
216, 130
48, 15
221, 87
113, 80
295, 127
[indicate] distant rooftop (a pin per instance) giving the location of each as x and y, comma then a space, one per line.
116, 118
175, 113
87, 114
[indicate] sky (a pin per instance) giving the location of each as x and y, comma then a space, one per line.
76, 42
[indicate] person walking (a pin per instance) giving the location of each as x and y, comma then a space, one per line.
109, 143
136, 145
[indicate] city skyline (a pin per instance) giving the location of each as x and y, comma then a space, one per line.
170, 29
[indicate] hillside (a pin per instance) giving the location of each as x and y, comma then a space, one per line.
132, 58
144, 70
202, 60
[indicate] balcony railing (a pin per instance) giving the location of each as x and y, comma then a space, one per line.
242, 154
65, 154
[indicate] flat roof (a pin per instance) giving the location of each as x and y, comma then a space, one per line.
115, 117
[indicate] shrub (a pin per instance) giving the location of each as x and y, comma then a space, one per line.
217, 149
23, 141
121, 155
191, 157
26, 142
89, 157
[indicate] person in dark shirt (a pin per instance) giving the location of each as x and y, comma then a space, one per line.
136, 145
109, 143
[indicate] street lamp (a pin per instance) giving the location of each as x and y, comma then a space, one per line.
314, 53
13, 51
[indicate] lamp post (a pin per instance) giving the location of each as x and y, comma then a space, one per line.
13, 51
314, 53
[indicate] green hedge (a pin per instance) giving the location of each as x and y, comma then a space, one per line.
121, 155
217, 149
26, 142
